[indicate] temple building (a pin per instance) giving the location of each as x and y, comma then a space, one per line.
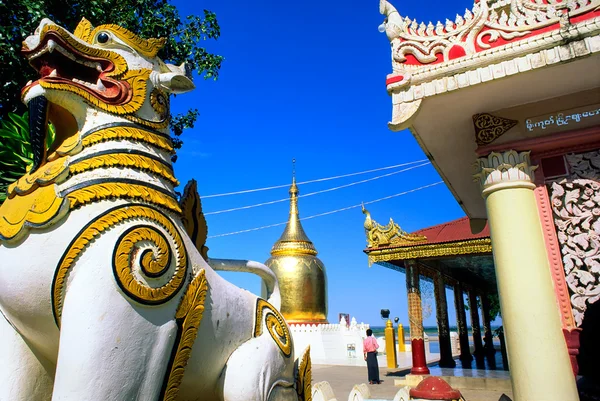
301, 275
508, 95
450, 256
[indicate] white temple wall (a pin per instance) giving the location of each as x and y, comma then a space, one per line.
332, 344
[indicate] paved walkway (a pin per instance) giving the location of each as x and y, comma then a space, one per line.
343, 378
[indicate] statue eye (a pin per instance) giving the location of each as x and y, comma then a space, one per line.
102, 37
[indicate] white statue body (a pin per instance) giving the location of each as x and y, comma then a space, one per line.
104, 296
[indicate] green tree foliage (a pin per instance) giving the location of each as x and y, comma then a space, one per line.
147, 18
15, 149
494, 303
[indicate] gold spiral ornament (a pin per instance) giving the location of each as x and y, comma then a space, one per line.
276, 326
146, 247
154, 253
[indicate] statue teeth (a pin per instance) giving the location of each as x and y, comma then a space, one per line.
51, 45
53, 73
29, 82
98, 67
100, 86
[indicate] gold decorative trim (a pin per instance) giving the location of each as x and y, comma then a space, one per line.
189, 315
468, 247
146, 47
153, 263
128, 133
118, 60
116, 190
84, 30
193, 219
390, 234
276, 326
140, 162
151, 124
137, 80
103, 223
36, 209
50, 173
304, 377
159, 101
488, 128
68, 147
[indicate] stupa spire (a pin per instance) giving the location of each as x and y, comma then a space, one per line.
293, 240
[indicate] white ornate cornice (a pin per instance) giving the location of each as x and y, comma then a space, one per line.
417, 45
510, 169
490, 42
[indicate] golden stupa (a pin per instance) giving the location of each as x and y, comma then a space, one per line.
301, 275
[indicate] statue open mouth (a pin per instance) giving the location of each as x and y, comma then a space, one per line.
67, 64
59, 63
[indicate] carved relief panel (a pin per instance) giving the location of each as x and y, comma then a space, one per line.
576, 209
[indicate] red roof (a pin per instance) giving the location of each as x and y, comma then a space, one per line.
456, 230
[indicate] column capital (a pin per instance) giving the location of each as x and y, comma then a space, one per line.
501, 170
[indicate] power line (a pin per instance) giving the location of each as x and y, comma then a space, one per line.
312, 181
330, 212
317, 192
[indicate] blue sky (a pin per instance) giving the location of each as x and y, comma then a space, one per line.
306, 80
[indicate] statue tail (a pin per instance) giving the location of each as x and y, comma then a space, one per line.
250, 266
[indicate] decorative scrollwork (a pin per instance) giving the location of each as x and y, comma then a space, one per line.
153, 261
476, 30
276, 326
495, 34
576, 205
131, 253
488, 128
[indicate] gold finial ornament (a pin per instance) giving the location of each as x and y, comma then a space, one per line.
301, 275
390, 234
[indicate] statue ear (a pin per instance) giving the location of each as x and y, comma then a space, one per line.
178, 80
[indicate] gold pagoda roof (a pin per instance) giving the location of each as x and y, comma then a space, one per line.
294, 240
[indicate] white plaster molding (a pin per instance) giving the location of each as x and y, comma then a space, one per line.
322, 391
474, 33
402, 394
510, 169
481, 68
404, 113
360, 392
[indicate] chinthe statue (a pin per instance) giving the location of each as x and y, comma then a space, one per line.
104, 290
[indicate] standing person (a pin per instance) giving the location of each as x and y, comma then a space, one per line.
370, 349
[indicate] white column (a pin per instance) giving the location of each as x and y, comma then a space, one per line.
537, 353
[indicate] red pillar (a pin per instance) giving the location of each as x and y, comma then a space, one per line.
415, 316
